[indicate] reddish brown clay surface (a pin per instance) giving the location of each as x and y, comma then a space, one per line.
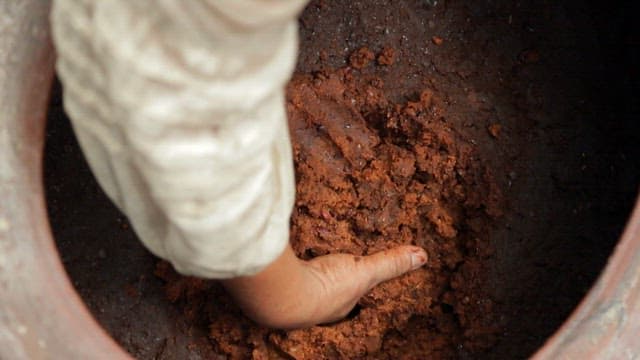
372, 174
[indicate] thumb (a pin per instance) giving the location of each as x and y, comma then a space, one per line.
388, 264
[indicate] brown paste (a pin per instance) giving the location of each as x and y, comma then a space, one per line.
372, 174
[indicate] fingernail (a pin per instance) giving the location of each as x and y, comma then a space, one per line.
418, 258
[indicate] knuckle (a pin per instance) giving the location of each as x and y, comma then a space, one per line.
400, 264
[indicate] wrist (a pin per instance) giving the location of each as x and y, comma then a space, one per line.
279, 295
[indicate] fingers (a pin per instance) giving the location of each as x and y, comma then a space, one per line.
338, 281
388, 264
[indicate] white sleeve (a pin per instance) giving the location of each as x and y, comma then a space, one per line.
178, 106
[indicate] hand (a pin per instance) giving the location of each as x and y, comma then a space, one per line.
292, 293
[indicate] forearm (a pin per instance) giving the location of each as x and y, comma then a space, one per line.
179, 109
261, 296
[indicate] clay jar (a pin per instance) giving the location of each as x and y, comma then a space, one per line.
41, 316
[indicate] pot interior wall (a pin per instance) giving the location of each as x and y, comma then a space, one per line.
559, 79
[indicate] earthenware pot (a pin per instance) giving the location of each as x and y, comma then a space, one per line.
41, 316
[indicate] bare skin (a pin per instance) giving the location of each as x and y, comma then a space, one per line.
292, 293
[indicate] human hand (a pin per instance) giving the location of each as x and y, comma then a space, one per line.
292, 293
